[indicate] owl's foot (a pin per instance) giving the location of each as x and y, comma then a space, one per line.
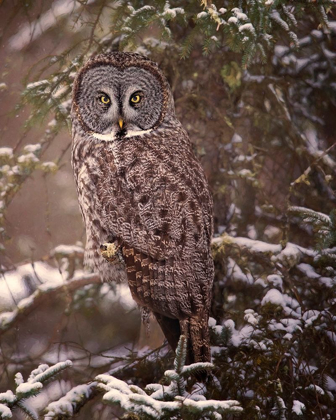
112, 253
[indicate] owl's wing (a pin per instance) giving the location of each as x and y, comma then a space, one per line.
169, 208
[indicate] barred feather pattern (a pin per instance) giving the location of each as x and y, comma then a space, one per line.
149, 195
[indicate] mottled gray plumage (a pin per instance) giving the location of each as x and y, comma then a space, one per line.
141, 187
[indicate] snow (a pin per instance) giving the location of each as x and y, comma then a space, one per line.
37, 371
211, 322
28, 388
291, 325
5, 318
233, 20
247, 27
141, 10
277, 18
6, 152
28, 158
114, 383
245, 173
65, 406
310, 317
251, 317
18, 378
275, 297
280, 50
289, 256
49, 166
327, 281
212, 405
275, 280
236, 273
5, 412
25, 303
308, 270
51, 371
240, 15
238, 336
316, 389
236, 138
7, 397
257, 246
252, 232
172, 12
190, 368
331, 383
271, 232
202, 15
37, 84
32, 148
67, 250
33, 30
332, 336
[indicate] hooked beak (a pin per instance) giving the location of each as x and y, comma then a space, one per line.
121, 123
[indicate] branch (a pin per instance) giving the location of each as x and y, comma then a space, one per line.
287, 256
43, 292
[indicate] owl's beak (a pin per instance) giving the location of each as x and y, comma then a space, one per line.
121, 123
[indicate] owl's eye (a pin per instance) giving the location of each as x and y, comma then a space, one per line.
104, 99
136, 98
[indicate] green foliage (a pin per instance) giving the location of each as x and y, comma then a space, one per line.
232, 75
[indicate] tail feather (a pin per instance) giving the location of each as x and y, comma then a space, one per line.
197, 332
170, 328
195, 329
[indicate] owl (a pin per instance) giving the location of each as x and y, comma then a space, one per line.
143, 194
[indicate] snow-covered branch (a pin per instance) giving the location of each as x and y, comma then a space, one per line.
30, 388
48, 290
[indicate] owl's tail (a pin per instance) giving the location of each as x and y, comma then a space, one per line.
195, 329
197, 332
170, 328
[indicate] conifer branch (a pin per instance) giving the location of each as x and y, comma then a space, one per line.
25, 390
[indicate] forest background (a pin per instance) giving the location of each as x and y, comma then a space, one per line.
254, 83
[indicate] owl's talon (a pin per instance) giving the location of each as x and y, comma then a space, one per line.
112, 253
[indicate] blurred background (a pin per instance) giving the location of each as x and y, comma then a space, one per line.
254, 85
45, 212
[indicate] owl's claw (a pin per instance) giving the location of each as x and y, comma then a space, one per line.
112, 253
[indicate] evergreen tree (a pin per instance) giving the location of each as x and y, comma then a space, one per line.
254, 84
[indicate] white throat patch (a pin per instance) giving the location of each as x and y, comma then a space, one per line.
111, 136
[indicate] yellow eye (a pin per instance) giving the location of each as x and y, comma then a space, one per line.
135, 99
105, 99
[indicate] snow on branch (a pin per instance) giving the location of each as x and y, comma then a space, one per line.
32, 387
60, 9
71, 403
311, 216
47, 290
166, 400
287, 255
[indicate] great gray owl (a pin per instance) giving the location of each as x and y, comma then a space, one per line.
141, 189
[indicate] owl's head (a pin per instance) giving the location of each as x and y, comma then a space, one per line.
121, 95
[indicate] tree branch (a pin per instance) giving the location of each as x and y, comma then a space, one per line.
46, 290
